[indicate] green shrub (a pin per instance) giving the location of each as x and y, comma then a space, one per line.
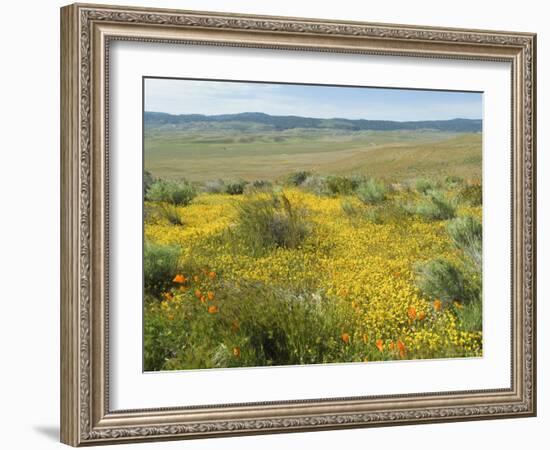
235, 187
160, 265
258, 186
471, 194
148, 181
372, 191
271, 221
436, 207
339, 185
467, 235
175, 192
298, 178
440, 278
214, 186
423, 185
316, 184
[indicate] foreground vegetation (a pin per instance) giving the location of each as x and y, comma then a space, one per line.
309, 269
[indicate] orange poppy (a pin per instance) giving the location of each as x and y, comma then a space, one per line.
236, 352
411, 312
212, 275
210, 295
421, 315
401, 348
179, 279
213, 309
437, 304
198, 293
345, 338
380, 345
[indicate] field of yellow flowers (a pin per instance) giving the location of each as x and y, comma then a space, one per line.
345, 290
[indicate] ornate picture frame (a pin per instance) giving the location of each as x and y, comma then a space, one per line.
87, 31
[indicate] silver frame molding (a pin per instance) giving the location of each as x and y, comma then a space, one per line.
86, 33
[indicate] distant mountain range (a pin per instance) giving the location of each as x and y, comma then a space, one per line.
255, 121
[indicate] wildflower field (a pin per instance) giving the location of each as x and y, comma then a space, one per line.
311, 268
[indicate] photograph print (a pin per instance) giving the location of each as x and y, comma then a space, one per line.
291, 224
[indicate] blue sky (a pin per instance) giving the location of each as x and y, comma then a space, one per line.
223, 97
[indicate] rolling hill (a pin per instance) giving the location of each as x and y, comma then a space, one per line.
260, 146
255, 122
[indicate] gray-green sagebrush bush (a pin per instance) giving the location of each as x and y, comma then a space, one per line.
436, 206
372, 191
179, 193
467, 235
271, 221
462, 282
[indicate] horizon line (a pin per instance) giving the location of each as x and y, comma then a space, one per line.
308, 117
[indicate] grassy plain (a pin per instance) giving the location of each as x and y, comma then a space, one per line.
389, 155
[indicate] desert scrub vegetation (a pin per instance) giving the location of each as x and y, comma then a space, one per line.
170, 191
471, 194
341, 185
458, 282
298, 178
160, 262
235, 187
423, 185
436, 206
289, 273
467, 235
271, 220
258, 186
148, 180
214, 186
372, 191
396, 211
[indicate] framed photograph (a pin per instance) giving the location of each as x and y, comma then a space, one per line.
276, 224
